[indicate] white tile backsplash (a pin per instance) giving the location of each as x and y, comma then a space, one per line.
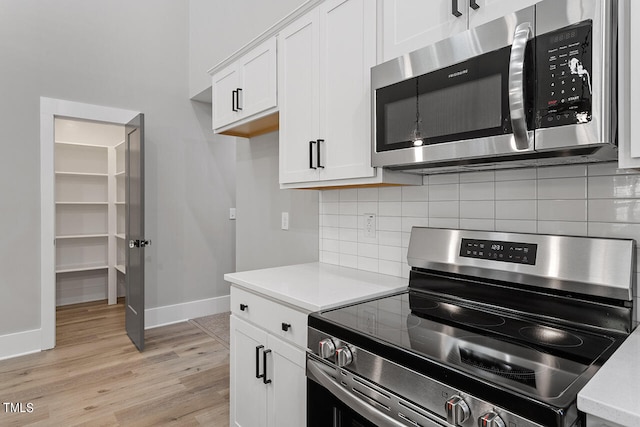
595, 200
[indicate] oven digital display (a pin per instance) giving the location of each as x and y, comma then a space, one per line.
515, 252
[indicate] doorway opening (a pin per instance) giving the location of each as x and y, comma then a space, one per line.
79, 207
89, 164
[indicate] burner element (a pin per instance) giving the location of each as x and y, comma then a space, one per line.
474, 317
550, 336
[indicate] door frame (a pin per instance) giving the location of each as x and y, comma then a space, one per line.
50, 108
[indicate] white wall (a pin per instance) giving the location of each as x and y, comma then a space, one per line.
260, 241
584, 200
218, 28
131, 55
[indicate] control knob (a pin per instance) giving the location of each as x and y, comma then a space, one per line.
326, 348
344, 357
490, 419
457, 410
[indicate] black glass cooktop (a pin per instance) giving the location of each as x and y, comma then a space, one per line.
537, 358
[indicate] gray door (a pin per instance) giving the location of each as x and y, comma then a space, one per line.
134, 317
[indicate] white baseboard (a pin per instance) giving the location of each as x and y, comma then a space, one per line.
168, 314
20, 343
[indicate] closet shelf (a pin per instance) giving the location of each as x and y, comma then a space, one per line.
78, 268
81, 174
82, 236
82, 203
80, 144
120, 174
121, 268
121, 236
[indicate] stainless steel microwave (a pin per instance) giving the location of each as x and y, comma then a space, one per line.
535, 87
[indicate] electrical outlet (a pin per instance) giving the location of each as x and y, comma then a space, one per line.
232, 213
369, 225
285, 221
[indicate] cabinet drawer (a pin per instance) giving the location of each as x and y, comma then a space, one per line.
270, 315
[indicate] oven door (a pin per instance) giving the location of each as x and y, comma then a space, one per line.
334, 404
467, 97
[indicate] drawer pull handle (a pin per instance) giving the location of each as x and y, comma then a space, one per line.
286, 326
243, 307
258, 348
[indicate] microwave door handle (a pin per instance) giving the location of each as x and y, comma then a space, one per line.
516, 86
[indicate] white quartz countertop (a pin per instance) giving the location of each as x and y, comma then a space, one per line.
316, 286
613, 394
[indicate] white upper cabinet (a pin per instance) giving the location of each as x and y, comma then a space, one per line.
408, 25
298, 87
245, 92
324, 87
488, 10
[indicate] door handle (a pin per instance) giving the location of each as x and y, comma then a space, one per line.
243, 307
258, 348
516, 86
311, 155
318, 147
238, 92
233, 100
473, 4
454, 9
264, 366
139, 243
286, 326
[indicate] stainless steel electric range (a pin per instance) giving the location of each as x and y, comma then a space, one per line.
496, 329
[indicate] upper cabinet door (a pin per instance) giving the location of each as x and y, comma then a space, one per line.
408, 25
246, 92
347, 53
298, 78
257, 91
488, 10
224, 85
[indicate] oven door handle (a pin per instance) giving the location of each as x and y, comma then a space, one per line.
316, 373
516, 86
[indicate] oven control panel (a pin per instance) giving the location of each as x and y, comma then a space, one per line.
494, 250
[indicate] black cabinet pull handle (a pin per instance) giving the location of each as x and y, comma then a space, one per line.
454, 9
258, 348
264, 363
286, 326
233, 100
319, 142
243, 307
474, 5
238, 92
311, 155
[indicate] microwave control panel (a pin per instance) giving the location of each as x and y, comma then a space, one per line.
564, 59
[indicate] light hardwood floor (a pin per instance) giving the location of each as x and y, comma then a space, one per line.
96, 377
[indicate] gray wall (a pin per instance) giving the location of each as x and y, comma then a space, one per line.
218, 28
260, 241
131, 55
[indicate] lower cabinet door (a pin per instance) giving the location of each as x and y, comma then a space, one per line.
248, 394
287, 392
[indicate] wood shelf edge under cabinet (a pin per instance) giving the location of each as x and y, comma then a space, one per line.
260, 124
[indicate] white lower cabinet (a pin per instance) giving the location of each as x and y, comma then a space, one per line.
268, 382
